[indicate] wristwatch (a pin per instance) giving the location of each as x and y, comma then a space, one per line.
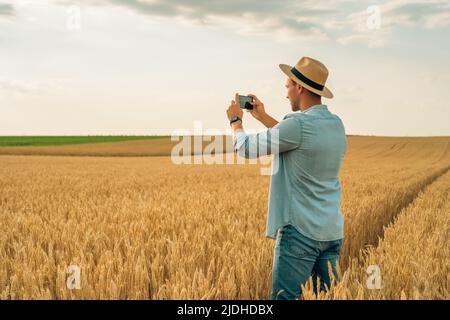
234, 119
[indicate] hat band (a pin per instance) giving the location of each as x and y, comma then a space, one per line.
309, 82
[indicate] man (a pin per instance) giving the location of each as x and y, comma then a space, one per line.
304, 213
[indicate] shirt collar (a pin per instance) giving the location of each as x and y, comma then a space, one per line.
316, 106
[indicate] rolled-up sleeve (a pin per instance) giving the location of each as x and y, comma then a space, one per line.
285, 136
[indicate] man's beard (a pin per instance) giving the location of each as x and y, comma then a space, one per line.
295, 105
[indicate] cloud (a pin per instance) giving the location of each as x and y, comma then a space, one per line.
6, 9
11, 86
394, 14
414, 12
344, 21
371, 40
288, 19
20, 88
300, 19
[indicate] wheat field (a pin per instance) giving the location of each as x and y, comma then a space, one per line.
414, 252
145, 228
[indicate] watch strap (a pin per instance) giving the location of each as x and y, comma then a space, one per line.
234, 119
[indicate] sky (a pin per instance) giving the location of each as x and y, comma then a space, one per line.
129, 67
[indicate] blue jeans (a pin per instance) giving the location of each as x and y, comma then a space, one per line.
296, 258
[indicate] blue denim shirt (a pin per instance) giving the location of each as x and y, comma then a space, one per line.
308, 149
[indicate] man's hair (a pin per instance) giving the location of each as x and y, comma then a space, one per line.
310, 92
293, 82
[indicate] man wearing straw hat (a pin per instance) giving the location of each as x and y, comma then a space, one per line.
304, 211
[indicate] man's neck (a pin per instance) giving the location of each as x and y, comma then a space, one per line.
309, 104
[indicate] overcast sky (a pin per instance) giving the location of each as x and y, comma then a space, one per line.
150, 67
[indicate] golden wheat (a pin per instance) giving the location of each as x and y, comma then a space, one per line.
144, 228
413, 258
130, 148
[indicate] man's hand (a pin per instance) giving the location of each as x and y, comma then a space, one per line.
234, 109
258, 111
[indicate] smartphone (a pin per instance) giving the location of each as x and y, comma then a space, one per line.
245, 102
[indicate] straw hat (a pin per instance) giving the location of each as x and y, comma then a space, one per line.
309, 73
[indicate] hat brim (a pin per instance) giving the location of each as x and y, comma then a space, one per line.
287, 71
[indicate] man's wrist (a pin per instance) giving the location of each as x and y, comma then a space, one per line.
237, 125
235, 118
